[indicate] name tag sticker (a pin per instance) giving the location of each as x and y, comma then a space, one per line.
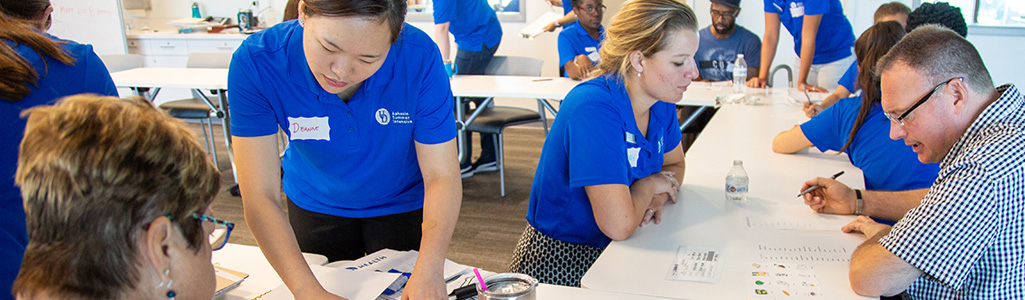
631, 155
303, 128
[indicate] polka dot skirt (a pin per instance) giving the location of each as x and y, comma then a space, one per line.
552, 261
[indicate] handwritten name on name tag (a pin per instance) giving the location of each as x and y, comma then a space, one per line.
303, 128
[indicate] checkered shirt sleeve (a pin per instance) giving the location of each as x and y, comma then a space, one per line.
968, 235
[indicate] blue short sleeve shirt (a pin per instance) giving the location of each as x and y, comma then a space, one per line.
594, 141
888, 165
835, 36
574, 40
87, 75
473, 23
716, 57
850, 78
355, 159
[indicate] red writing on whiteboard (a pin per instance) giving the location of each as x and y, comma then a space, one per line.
296, 128
85, 11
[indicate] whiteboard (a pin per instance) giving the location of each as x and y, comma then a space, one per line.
96, 22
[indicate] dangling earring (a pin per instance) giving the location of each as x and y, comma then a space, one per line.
170, 292
639, 72
302, 23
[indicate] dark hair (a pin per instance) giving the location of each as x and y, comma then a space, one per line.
875, 42
391, 11
938, 54
291, 11
23, 9
892, 8
93, 172
642, 25
938, 13
16, 73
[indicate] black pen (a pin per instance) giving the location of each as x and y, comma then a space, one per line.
812, 188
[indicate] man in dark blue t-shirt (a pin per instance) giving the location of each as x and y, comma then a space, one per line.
723, 40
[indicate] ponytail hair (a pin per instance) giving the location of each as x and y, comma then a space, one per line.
875, 42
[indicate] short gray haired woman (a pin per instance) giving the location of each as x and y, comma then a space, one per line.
117, 197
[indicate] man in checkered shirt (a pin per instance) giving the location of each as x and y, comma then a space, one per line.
967, 238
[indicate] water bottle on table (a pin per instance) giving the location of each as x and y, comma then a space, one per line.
736, 183
740, 78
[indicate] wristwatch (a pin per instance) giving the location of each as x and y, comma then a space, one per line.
859, 204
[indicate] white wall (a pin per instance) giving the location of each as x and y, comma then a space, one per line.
997, 51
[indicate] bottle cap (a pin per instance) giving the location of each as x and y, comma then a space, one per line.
738, 162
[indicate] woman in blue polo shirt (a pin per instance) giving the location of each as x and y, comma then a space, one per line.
823, 38
39, 69
370, 162
613, 156
579, 44
858, 127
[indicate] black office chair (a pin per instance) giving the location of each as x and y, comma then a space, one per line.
200, 107
494, 119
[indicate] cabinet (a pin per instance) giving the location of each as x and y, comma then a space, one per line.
169, 50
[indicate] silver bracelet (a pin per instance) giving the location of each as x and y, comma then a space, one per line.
859, 204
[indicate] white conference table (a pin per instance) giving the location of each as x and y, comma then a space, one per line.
198, 79
262, 278
740, 232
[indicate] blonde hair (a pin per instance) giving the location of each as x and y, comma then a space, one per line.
93, 172
642, 25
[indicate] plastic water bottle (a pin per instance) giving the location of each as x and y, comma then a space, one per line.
740, 75
736, 183
195, 10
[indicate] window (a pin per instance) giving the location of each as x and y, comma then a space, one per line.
507, 10
997, 13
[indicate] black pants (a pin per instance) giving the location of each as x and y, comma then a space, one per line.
341, 238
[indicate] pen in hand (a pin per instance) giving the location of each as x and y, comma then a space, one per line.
814, 187
809, 102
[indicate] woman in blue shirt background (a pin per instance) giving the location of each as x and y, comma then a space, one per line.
858, 127
371, 159
613, 156
823, 38
38, 69
579, 44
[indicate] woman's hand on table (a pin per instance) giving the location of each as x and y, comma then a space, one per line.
425, 286
811, 88
666, 189
812, 109
756, 82
832, 197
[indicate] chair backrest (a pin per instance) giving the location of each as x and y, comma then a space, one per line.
209, 60
514, 66
121, 62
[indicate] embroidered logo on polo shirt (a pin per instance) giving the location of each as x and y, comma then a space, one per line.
309, 128
796, 9
382, 116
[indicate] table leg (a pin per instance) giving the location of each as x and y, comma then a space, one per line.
692, 117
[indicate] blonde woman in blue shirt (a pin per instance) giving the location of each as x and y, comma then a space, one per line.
613, 157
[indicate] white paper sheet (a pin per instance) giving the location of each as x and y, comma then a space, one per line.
769, 280
793, 217
342, 282
702, 264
